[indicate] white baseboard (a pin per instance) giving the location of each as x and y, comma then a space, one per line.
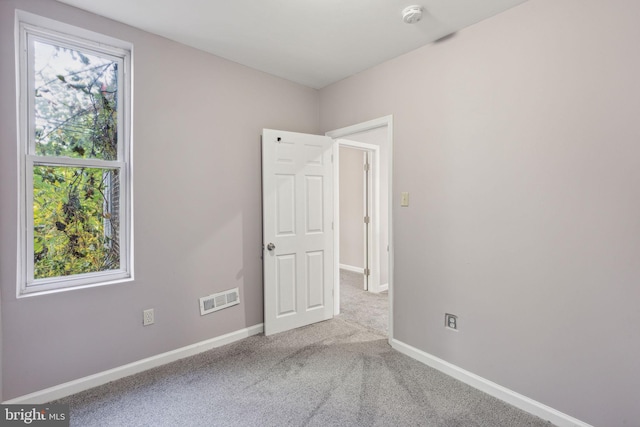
531, 406
381, 288
81, 384
352, 268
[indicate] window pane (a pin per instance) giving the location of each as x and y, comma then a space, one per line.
76, 95
76, 220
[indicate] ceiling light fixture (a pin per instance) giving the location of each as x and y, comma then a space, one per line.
412, 14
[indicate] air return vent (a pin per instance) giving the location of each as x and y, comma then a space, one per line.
218, 301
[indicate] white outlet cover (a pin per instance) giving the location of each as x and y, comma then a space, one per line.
451, 321
147, 317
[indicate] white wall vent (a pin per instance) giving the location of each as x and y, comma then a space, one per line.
215, 302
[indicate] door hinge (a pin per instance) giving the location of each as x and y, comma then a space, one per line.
367, 167
332, 158
367, 219
367, 272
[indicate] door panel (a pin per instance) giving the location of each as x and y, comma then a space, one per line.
286, 280
297, 175
315, 280
314, 211
286, 205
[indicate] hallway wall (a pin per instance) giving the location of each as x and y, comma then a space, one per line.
351, 208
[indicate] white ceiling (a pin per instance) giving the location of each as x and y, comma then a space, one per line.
312, 42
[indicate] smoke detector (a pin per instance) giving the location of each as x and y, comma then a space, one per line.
412, 14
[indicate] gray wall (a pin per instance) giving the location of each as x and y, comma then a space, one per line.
197, 126
351, 207
518, 141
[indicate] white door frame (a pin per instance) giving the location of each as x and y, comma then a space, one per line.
386, 121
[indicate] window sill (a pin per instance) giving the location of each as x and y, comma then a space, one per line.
35, 290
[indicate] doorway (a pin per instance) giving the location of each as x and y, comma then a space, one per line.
358, 184
374, 136
299, 226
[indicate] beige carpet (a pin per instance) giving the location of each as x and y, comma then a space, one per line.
365, 308
333, 373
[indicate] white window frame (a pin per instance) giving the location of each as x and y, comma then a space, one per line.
33, 27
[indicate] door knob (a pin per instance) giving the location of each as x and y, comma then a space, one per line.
271, 246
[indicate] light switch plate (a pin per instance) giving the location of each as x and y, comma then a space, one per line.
404, 199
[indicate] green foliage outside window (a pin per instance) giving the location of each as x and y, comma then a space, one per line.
75, 207
74, 231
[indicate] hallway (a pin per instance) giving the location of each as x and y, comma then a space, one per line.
365, 308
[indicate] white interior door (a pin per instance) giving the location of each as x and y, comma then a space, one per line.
297, 197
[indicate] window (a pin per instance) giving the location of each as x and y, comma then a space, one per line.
75, 164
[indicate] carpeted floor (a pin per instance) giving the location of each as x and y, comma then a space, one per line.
365, 308
333, 373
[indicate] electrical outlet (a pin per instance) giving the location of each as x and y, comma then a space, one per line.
147, 317
451, 321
